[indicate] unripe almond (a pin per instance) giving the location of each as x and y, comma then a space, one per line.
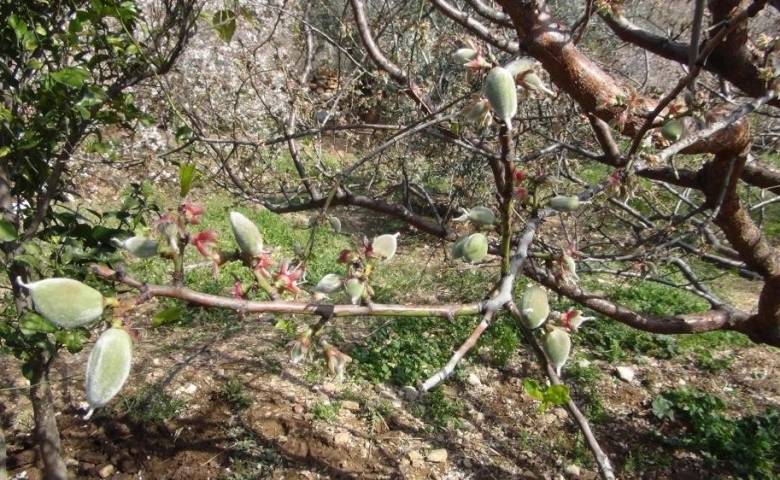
384, 246
475, 248
482, 216
464, 55
672, 130
520, 65
141, 247
330, 283
557, 346
65, 302
335, 224
248, 237
564, 204
457, 247
500, 90
354, 288
534, 307
108, 367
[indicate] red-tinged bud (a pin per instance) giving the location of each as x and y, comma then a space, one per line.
520, 175
203, 240
348, 256
336, 360
300, 348
288, 280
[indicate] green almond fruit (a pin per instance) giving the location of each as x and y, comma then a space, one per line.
672, 130
475, 248
557, 346
140, 247
534, 307
384, 246
457, 247
335, 224
65, 302
477, 111
482, 216
330, 283
464, 55
354, 288
500, 91
248, 237
564, 204
520, 65
108, 367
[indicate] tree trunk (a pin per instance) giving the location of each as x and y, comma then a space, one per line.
46, 432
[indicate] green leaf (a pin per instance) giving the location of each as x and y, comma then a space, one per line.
27, 370
71, 339
532, 387
169, 315
187, 175
33, 323
183, 133
224, 23
32, 248
557, 395
71, 76
7, 231
98, 147
30, 260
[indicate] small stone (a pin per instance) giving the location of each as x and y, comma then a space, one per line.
682, 382
410, 393
106, 471
625, 373
415, 458
572, 471
437, 456
473, 380
341, 438
328, 387
561, 413
467, 463
350, 405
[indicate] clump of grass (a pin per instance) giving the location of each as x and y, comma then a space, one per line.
748, 446
234, 393
151, 405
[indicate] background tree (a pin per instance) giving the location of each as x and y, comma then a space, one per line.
67, 72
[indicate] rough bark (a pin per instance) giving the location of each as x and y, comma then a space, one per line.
46, 432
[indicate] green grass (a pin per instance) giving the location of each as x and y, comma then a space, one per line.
747, 446
325, 411
150, 405
234, 393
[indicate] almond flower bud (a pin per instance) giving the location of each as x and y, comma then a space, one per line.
572, 319
534, 307
140, 247
108, 367
478, 112
500, 90
557, 346
248, 237
65, 302
288, 280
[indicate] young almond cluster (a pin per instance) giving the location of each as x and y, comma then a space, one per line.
499, 91
534, 310
70, 304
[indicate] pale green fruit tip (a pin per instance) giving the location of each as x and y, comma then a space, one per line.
534, 307
500, 91
107, 368
248, 237
672, 130
65, 302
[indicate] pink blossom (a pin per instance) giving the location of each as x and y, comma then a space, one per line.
202, 240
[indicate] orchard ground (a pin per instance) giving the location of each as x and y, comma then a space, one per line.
214, 395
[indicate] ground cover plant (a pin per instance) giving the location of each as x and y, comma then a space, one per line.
579, 216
